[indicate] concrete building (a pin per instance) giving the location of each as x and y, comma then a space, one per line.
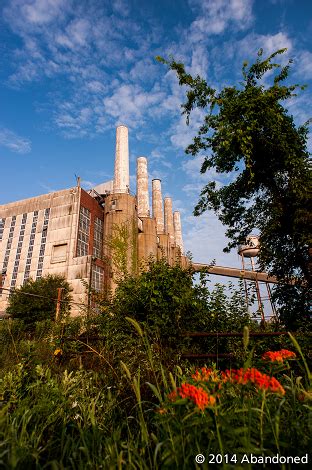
88, 236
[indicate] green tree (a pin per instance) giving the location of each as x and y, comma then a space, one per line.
36, 300
166, 300
248, 133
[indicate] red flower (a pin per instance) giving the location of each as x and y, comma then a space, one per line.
253, 376
196, 394
278, 356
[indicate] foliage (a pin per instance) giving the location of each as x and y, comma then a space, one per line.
167, 302
123, 250
248, 135
36, 300
51, 417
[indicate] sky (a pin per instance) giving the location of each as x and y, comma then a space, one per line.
72, 70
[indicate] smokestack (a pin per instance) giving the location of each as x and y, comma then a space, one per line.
178, 230
158, 205
142, 188
169, 219
121, 176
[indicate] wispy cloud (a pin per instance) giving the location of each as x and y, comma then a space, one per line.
214, 16
205, 239
88, 184
14, 142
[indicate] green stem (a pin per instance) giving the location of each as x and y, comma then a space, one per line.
261, 418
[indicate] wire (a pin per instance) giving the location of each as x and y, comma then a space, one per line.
44, 297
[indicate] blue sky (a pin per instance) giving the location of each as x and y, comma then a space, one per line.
73, 70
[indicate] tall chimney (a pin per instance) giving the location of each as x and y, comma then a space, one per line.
121, 176
178, 230
142, 188
158, 205
169, 219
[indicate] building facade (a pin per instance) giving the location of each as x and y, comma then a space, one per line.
76, 233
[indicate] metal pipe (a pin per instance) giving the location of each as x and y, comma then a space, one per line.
234, 272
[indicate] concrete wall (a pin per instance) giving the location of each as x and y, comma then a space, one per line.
120, 236
61, 240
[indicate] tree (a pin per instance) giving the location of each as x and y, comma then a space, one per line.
248, 134
166, 300
36, 300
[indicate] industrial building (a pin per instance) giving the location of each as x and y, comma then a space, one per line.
89, 235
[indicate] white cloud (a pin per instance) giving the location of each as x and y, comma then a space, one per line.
217, 15
304, 65
87, 184
249, 46
204, 238
14, 142
130, 104
77, 33
182, 134
39, 12
192, 167
192, 188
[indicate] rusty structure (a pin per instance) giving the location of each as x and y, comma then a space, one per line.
94, 235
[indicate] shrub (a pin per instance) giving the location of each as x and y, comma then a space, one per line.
36, 300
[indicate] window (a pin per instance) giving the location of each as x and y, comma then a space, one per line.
97, 278
98, 238
83, 232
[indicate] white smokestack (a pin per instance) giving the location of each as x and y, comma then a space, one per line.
121, 176
178, 229
142, 188
169, 219
158, 205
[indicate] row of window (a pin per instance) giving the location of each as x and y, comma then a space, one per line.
84, 234
2, 224
18, 250
43, 242
31, 245
82, 244
8, 249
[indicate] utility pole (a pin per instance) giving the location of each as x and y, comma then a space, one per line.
92, 259
58, 303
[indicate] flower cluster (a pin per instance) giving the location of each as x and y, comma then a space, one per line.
196, 394
206, 375
278, 356
253, 376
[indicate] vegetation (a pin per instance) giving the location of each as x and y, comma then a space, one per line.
105, 391
57, 416
36, 300
248, 134
167, 302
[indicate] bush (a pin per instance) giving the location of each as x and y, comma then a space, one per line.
36, 300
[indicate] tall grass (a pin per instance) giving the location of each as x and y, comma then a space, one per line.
123, 415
